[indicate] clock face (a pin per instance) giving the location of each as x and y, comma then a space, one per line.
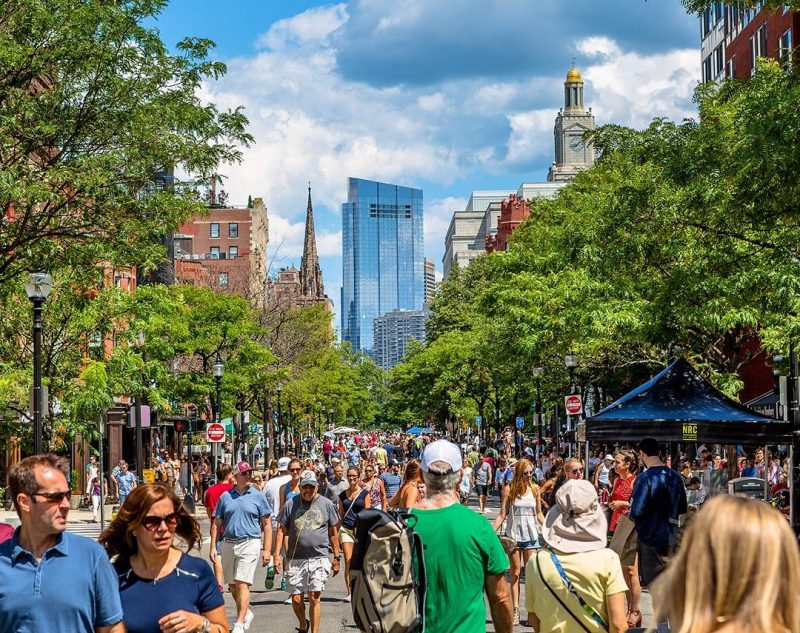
576, 144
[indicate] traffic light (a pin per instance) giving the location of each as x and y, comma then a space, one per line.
179, 426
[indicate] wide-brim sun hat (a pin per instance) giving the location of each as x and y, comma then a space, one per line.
576, 522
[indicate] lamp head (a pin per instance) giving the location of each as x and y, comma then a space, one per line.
571, 361
537, 372
39, 286
219, 368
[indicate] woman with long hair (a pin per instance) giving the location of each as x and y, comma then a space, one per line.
162, 588
273, 469
737, 571
409, 495
373, 485
351, 502
620, 503
521, 509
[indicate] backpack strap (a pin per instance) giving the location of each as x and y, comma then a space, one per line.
561, 602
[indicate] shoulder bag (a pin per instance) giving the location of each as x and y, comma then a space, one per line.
585, 607
509, 543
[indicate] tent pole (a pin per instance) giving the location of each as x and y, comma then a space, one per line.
790, 479
766, 473
586, 461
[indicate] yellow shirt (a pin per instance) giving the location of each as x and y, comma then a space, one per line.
594, 576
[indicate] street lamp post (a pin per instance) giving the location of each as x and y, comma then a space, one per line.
537, 374
219, 371
38, 288
137, 402
280, 413
571, 362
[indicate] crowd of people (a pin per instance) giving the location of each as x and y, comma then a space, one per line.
586, 537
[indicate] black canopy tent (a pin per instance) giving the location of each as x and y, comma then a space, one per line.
679, 405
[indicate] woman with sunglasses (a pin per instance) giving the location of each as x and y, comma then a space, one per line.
521, 509
351, 502
162, 588
375, 488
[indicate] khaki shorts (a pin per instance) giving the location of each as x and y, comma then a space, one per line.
239, 560
304, 575
346, 535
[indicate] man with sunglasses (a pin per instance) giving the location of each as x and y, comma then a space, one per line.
244, 514
51, 580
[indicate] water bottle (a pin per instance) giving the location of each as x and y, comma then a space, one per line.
269, 581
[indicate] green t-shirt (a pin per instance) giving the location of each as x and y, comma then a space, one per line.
461, 549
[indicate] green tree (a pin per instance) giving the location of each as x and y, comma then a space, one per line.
92, 106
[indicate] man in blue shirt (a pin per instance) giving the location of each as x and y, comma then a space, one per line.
658, 500
244, 515
126, 481
51, 580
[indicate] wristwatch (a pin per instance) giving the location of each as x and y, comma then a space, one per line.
206, 628
337, 557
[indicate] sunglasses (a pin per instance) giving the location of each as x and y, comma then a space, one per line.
57, 496
527, 473
295, 470
153, 522
575, 471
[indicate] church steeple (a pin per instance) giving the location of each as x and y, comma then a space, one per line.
310, 273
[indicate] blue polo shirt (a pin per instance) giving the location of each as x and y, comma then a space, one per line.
241, 513
73, 588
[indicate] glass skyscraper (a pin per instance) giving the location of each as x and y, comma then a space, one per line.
382, 256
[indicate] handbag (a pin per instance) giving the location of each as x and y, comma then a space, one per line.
509, 543
623, 531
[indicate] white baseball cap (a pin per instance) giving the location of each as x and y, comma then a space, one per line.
441, 451
283, 463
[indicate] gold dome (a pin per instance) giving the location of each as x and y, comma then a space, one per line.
574, 76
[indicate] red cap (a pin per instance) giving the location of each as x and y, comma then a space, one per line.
243, 467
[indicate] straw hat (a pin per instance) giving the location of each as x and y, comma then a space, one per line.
576, 523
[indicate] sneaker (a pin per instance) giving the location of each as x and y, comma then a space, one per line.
288, 600
238, 628
248, 619
348, 599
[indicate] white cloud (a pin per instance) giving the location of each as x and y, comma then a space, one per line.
310, 26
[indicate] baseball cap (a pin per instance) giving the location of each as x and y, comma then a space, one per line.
308, 478
243, 467
441, 451
283, 463
609, 458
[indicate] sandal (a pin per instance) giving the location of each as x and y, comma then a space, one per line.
516, 617
634, 618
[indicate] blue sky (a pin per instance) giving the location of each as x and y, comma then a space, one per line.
447, 95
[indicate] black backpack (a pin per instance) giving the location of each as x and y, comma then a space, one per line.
387, 573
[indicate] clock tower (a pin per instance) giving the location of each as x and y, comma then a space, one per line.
573, 120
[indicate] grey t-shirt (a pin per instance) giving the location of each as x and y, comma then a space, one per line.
307, 525
482, 474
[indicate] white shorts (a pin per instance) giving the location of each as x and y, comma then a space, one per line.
346, 535
239, 560
307, 574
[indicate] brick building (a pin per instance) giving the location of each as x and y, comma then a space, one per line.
226, 250
513, 212
732, 39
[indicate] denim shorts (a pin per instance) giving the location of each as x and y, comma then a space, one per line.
535, 544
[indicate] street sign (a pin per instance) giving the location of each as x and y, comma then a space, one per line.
520, 422
478, 420
573, 405
215, 432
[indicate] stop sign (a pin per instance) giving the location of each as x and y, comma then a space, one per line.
573, 405
215, 432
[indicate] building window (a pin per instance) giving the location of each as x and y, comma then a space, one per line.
223, 279
719, 60
233, 252
707, 69
215, 252
705, 23
233, 229
730, 68
785, 48
214, 230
